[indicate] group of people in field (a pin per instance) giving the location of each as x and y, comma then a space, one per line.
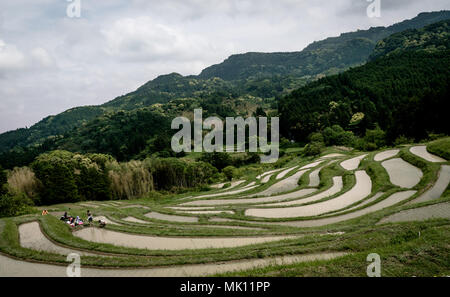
77, 221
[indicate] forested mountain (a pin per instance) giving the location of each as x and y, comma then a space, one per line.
263, 77
405, 93
50, 126
327, 56
406, 80
431, 38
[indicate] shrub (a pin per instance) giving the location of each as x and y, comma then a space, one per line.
129, 180
440, 147
68, 177
3, 181
217, 159
402, 140
15, 205
23, 180
336, 135
313, 149
229, 172
376, 137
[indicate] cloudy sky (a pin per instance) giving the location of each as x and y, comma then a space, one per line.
50, 62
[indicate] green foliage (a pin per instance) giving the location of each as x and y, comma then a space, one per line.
14, 205
256, 77
3, 181
431, 38
49, 127
375, 139
172, 173
68, 177
440, 147
122, 134
402, 140
336, 135
217, 159
403, 93
229, 172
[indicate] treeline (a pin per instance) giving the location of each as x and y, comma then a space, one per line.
63, 177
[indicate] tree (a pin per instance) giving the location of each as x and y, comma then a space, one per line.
3, 181
218, 160
229, 172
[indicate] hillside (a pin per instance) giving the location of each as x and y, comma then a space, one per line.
261, 76
331, 54
405, 93
431, 38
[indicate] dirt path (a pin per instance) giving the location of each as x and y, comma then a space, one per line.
441, 210
314, 179
15, 268
169, 243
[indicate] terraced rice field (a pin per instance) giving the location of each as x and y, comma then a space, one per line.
282, 216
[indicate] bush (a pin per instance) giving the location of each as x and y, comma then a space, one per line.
68, 177
376, 137
229, 172
217, 159
313, 149
129, 180
3, 181
440, 147
15, 205
336, 135
23, 180
402, 140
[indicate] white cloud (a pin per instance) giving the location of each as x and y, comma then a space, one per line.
42, 57
143, 40
10, 57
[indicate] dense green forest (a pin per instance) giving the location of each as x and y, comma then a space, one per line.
404, 92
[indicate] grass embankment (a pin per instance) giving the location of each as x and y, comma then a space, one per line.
403, 254
440, 147
402, 251
363, 241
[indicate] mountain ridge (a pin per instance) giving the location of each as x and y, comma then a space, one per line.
282, 73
